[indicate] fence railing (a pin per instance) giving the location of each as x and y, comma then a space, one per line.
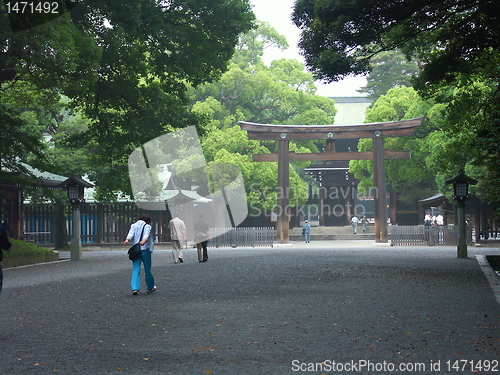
243, 237
101, 223
421, 235
108, 224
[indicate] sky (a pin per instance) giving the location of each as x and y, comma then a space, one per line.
278, 14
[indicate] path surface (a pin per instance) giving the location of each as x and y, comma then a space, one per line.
253, 311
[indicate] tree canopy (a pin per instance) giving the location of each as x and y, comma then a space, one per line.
409, 179
125, 65
388, 70
339, 38
282, 93
457, 45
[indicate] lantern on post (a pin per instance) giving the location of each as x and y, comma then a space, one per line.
75, 194
75, 186
460, 194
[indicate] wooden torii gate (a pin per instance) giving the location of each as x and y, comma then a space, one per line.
377, 131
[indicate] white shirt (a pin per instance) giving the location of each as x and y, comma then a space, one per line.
135, 232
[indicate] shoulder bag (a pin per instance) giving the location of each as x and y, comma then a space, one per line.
135, 250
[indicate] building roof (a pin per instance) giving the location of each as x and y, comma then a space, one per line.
189, 195
438, 198
350, 110
32, 178
175, 196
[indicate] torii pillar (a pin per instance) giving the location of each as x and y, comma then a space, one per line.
376, 131
380, 191
283, 219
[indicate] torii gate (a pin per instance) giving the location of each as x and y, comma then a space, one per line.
377, 131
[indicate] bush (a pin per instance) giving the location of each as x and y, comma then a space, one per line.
22, 249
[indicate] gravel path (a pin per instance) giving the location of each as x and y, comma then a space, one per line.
317, 308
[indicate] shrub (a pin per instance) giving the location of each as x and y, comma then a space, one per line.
22, 249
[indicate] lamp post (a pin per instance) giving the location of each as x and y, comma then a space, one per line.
75, 186
460, 194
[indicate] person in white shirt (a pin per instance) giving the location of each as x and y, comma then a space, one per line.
177, 234
439, 220
142, 225
354, 223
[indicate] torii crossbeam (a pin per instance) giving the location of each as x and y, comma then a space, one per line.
377, 131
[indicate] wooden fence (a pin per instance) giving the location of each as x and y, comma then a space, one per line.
108, 224
246, 237
101, 223
420, 235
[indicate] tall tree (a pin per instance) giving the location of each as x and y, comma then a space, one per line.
126, 66
456, 41
410, 179
279, 93
268, 94
340, 38
388, 70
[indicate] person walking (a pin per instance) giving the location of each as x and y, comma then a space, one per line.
306, 230
142, 226
177, 234
427, 228
6, 245
364, 222
201, 237
354, 223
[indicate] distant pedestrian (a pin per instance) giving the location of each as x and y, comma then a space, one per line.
428, 220
178, 236
4, 245
364, 222
201, 237
142, 225
354, 223
306, 230
427, 227
440, 219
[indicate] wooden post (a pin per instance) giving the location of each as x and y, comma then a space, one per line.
330, 145
321, 214
76, 240
283, 192
462, 231
380, 190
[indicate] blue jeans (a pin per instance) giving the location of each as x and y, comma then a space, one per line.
145, 258
308, 236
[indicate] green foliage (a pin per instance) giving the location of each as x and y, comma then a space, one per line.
401, 103
410, 179
275, 94
22, 249
456, 44
340, 38
251, 45
388, 70
233, 140
232, 146
282, 93
125, 66
25, 114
